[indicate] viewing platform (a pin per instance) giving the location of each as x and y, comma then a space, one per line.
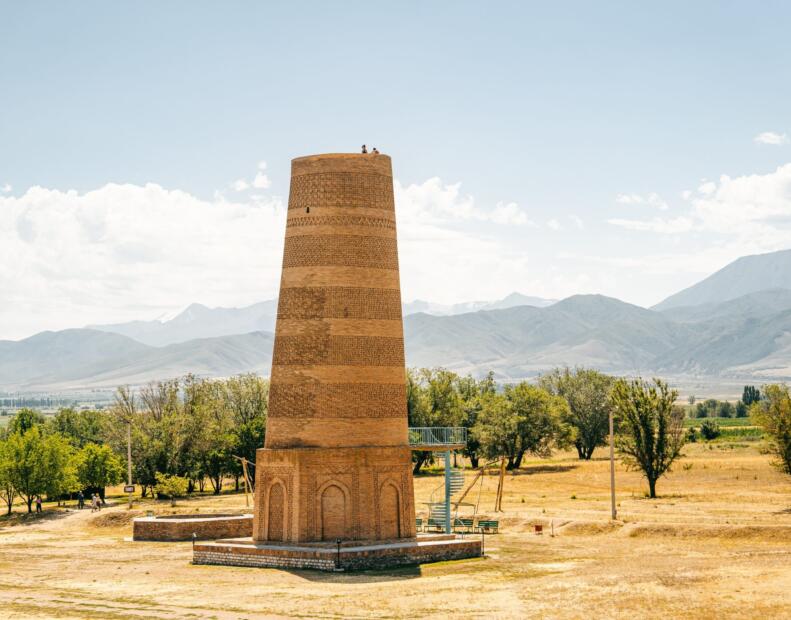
437, 438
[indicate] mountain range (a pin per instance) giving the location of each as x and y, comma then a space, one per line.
734, 324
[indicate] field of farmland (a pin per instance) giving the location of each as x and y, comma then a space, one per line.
717, 543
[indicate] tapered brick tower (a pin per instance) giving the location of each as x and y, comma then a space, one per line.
336, 462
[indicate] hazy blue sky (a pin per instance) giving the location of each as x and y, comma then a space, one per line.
551, 148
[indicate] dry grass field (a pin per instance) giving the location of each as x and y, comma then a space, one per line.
717, 544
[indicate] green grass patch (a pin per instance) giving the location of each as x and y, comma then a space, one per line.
723, 422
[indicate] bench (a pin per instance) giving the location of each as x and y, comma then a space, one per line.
462, 525
435, 525
488, 526
419, 524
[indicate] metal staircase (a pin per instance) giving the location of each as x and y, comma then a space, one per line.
437, 506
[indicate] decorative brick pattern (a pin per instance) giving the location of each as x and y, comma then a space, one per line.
339, 303
338, 351
342, 220
338, 400
340, 250
341, 189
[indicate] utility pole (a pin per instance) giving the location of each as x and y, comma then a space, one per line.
612, 469
129, 460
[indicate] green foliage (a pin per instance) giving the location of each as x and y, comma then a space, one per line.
523, 419
587, 393
7, 489
707, 409
472, 392
80, 427
24, 420
750, 395
773, 413
171, 486
97, 466
742, 410
433, 399
651, 427
709, 429
39, 464
692, 435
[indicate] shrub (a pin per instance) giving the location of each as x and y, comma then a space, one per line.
692, 435
710, 429
172, 486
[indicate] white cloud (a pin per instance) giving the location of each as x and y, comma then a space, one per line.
124, 252
651, 200
553, 224
770, 137
577, 221
261, 181
752, 212
240, 185
434, 201
6, 188
657, 224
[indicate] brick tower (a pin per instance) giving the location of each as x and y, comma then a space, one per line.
336, 461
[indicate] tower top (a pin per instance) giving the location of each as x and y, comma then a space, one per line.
364, 163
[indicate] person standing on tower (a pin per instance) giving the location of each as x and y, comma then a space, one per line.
365, 150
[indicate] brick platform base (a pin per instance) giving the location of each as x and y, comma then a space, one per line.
181, 527
354, 555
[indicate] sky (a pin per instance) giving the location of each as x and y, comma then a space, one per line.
553, 149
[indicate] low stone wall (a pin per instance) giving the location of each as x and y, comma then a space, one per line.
374, 556
173, 528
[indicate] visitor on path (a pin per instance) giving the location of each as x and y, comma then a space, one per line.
80, 500
38, 504
93, 502
98, 502
365, 150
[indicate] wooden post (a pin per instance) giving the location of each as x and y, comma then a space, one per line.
498, 501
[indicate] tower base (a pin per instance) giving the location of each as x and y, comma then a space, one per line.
357, 555
325, 494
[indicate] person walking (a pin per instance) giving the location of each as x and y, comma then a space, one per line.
93, 502
80, 500
38, 504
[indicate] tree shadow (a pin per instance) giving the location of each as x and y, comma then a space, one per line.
541, 469
31, 518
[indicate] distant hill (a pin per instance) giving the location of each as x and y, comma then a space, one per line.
199, 321
748, 274
84, 358
510, 301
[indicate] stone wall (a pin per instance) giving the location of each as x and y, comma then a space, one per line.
207, 527
361, 558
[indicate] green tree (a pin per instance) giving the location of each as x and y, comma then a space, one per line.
710, 429
171, 486
750, 395
80, 427
432, 400
471, 391
98, 467
587, 393
523, 419
652, 427
246, 399
39, 464
7, 489
742, 410
725, 409
773, 413
25, 419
